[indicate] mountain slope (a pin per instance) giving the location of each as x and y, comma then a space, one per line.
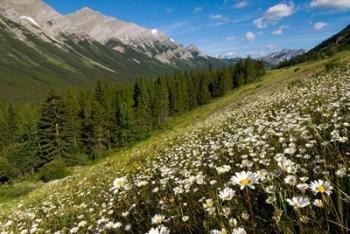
183, 176
281, 55
150, 42
338, 42
42, 49
30, 66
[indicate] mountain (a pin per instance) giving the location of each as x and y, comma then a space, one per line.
339, 41
336, 43
152, 43
42, 49
281, 55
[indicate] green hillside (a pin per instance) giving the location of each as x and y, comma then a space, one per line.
182, 172
337, 43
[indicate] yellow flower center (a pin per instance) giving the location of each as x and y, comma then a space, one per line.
158, 220
320, 189
245, 182
209, 204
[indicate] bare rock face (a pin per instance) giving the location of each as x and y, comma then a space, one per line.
282, 55
49, 25
38, 15
150, 42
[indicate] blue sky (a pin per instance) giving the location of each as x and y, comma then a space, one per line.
229, 27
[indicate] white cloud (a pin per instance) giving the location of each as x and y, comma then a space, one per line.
154, 31
198, 9
241, 4
337, 4
249, 37
218, 17
231, 54
319, 26
230, 38
275, 14
280, 30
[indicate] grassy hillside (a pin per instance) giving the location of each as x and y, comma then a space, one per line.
178, 177
337, 43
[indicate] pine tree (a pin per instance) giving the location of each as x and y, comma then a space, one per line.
87, 133
203, 93
142, 108
52, 144
250, 69
124, 116
160, 103
71, 126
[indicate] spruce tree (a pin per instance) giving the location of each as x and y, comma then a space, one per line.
142, 108
160, 103
50, 126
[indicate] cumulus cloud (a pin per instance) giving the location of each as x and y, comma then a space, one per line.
280, 30
249, 37
231, 54
241, 4
198, 9
319, 26
275, 14
337, 4
218, 17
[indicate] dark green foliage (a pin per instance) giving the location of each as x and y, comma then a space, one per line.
70, 128
52, 171
51, 129
6, 171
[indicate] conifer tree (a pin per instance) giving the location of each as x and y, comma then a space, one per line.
203, 93
141, 108
124, 116
52, 144
160, 104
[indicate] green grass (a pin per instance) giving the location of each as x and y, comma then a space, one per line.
28, 192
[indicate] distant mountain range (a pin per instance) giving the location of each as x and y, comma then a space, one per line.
41, 48
336, 43
281, 55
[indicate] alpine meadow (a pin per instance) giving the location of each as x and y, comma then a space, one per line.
112, 120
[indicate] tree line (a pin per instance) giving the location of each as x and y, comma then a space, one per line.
72, 128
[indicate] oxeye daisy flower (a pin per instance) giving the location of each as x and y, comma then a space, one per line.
222, 231
299, 202
158, 219
159, 230
320, 186
227, 194
119, 183
208, 203
245, 179
239, 230
291, 180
